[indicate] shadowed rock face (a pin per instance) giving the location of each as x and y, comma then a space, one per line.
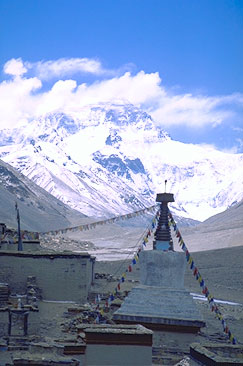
116, 165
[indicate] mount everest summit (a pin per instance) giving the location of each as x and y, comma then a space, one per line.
110, 159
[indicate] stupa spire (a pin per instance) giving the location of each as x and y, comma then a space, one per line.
162, 236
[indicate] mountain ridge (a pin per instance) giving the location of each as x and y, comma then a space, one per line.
111, 159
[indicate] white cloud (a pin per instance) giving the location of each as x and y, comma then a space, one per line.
240, 144
55, 68
231, 150
189, 110
63, 67
15, 67
17, 101
22, 98
58, 98
139, 89
237, 129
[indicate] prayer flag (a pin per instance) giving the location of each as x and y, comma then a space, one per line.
199, 278
97, 319
205, 290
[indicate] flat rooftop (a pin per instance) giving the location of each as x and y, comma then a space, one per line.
114, 329
44, 253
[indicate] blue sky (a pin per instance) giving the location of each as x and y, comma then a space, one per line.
182, 61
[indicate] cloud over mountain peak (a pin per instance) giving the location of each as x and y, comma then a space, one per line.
29, 96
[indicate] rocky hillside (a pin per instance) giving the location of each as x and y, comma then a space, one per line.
39, 210
220, 231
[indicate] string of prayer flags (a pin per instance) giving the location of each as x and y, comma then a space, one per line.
136, 254
198, 277
12, 236
129, 269
103, 222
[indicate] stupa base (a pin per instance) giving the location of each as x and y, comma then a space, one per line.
160, 308
169, 325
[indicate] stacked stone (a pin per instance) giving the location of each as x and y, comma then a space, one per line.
33, 291
4, 293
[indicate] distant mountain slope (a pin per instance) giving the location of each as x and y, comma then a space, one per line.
232, 217
219, 231
39, 210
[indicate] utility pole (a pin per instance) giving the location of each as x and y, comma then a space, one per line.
20, 244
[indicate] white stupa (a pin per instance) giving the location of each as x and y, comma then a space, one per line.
161, 301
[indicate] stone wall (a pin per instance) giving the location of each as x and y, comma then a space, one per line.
118, 345
28, 246
60, 276
3, 323
119, 355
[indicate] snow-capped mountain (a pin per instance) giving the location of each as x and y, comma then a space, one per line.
110, 159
